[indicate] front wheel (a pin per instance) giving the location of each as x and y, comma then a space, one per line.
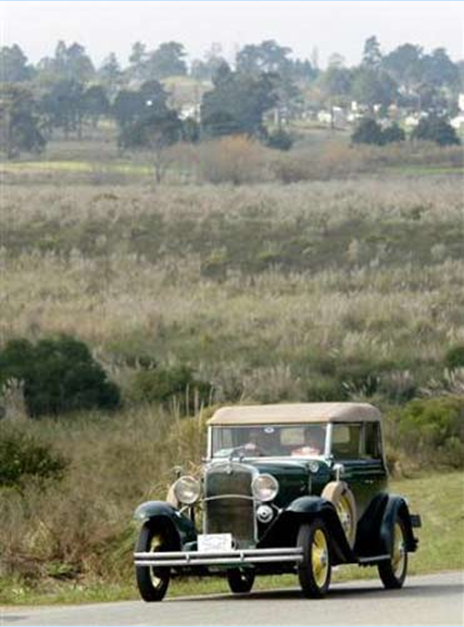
315, 569
393, 572
152, 582
240, 581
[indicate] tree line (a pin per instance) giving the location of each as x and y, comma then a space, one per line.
66, 92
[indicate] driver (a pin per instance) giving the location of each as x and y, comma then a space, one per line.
254, 445
314, 442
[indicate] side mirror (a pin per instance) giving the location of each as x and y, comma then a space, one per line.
339, 470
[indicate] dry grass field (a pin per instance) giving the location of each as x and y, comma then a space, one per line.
306, 291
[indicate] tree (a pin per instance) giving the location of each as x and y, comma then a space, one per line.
95, 104
110, 73
267, 57
371, 87
14, 67
372, 56
405, 65
132, 106
335, 82
19, 122
138, 60
237, 103
71, 63
439, 70
205, 69
156, 132
64, 107
438, 130
167, 60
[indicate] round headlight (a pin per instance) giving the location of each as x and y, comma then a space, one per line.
187, 490
264, 488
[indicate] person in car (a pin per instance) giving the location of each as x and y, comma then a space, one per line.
314, 442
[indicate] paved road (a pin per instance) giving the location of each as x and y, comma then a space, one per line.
426, 600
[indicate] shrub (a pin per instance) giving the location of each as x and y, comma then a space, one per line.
368, 131
433, 430
454, 357
176, 384
436, 130
393, 134
324, 389
59, 375
23, 458
280, 140
234, 159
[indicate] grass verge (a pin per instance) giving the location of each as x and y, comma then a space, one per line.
438, 497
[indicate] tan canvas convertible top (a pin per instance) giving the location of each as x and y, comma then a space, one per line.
295, 413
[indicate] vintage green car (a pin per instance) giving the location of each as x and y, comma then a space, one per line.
288, 488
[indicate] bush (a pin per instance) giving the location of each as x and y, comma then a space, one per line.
59, 376
393, 134
436, 130
454, 357
171, 385
368, 132
280, 140
234, 159
432, 430
23, 458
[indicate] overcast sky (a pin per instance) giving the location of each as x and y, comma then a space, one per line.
331, 26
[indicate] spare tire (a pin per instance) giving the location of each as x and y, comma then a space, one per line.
338, 493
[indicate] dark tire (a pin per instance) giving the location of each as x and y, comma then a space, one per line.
240, 581
315, 570
152, 582
393, 572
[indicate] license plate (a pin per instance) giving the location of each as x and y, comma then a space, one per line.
214, 542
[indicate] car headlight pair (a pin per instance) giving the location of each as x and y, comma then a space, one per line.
187, 490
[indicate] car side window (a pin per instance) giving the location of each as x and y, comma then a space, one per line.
372, 441
346, 441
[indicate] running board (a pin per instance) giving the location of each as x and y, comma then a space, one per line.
222, 558
365, 561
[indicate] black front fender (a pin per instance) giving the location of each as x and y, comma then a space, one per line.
159, 512
284, 530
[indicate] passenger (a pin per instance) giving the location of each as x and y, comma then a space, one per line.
314, 442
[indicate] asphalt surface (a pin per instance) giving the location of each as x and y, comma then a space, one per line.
426, 600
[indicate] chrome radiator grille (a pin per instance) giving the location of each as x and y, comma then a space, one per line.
229, 506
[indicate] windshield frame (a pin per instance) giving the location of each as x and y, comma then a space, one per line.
325, 454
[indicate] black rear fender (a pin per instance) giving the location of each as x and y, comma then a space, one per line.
375, 529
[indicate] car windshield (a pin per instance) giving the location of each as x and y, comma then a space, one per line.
269, 441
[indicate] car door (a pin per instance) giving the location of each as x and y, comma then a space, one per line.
358, 447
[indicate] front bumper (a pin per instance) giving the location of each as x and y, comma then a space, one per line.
229, 558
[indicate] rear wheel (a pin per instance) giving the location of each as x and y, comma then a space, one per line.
240, 581
393, 572
315, 570
152, 582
